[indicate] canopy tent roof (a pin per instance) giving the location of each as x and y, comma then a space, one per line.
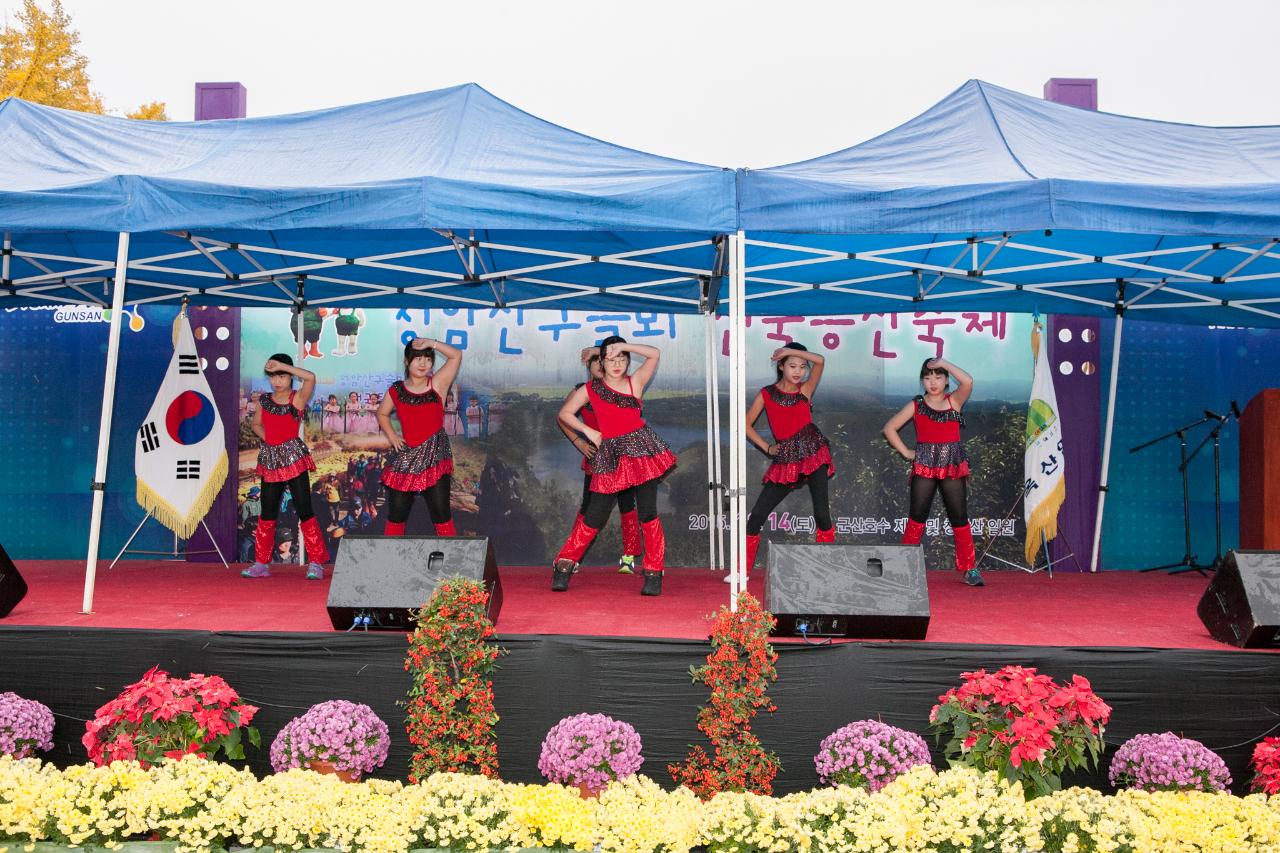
990, 200
994, 200
445, 197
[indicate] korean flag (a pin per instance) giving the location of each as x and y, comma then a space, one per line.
181, 455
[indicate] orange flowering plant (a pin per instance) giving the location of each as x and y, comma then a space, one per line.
738, 671
1022, 724
450, 706
165, 717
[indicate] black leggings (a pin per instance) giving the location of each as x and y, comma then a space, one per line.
626, 498
437, 497
955, 498
773, 493
299, 487
599, 504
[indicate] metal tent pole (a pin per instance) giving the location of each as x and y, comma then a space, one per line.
737, 412
716, 455
734, 554
1106, 441
104, 424
299, 305
713, 558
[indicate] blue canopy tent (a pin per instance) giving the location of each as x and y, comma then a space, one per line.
993, 200
452, 198
990, 200
446, 197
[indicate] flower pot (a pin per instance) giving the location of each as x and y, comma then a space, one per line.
587, 792
328, 768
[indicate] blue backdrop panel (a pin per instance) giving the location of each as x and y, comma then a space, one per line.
54, 360
1168, 376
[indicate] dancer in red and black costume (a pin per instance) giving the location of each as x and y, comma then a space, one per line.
800, 452
939, 463
421, 461
629, 455
283, 463
632, 546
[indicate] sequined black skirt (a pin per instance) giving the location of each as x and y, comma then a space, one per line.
630, 460
942, 461
416, 468
278, 463
799, 456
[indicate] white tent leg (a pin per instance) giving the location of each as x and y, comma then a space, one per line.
737, 413
734, 355
104, 424
302, 433
717, 468
713, 559
1106, 442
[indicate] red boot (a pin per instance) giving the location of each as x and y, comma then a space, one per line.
655, 552
313, 350
446, 528
828, 535
317, 553
966, 558
264, 542
566, 562
632, 544
394, 528
753, 545
915, 532
965, 555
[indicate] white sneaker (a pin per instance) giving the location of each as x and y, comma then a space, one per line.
728, 578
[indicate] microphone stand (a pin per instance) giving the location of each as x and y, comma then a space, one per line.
1188, 562
1216, 435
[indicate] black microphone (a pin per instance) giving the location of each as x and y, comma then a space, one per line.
1214, 415
1235, 410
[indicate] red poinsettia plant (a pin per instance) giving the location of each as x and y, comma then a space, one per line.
1022, 724
165, 717
1266, 766
738, 671
450, 706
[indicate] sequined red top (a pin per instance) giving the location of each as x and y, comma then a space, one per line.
421, 415
788, 412
279, 420
587, 413
616, 413
936, 426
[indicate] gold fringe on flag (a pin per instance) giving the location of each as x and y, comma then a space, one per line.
1044, 520
185, 525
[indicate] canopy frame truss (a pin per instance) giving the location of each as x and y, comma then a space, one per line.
200, 269
1166, 271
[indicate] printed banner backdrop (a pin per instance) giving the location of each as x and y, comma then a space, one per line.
518, 480
53, 361
1168, 376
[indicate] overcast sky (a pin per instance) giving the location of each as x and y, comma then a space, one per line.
729, 83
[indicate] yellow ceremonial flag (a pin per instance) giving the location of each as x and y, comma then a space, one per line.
1044, 486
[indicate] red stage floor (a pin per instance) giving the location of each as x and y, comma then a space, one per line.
1110, 609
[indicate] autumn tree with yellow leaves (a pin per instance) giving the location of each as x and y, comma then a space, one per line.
40, 62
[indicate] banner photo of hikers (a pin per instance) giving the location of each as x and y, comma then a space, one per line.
518, 479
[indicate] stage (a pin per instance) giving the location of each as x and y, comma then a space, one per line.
1110, 609
602, 647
